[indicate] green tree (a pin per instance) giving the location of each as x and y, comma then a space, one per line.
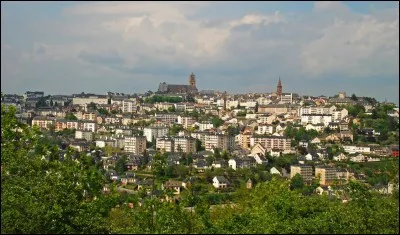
297, 182
71, 116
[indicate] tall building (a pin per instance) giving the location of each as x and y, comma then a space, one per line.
304, 170
192, 80
327, 174
135, 144
279, 88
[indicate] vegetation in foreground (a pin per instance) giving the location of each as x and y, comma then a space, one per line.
41, 193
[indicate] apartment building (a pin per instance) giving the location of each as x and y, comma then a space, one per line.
91, 116
155, 132
166, 118
356, 149
316, 119
81, 134
271, 142
326, 174
129, 106
186, 121
43, 121
185, 144
87, 125
135, 144
205, 126
165, 143
264, 129
304, 170
220, 141
61, 124
85, 100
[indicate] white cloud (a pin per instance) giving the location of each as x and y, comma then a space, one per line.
144, 38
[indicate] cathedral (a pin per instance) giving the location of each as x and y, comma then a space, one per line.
165, 88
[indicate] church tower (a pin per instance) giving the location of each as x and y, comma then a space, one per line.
192, 80
279, 88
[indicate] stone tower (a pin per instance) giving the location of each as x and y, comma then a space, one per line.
279, 88
224, 100
192, 80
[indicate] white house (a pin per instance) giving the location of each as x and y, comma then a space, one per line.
220, 182
274, 171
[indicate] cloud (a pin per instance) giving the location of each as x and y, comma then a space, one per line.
158, 40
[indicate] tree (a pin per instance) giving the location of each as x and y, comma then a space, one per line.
120, 165
297, 182
171, 109
71, 116
41, 194
51, 103
216, 121
354, 97
199, 146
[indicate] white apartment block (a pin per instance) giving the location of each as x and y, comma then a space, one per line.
87, 135
155, 132
186, 121
316, 119
355, 149
166, 118
220, 141
286, 98
265, 129
43, 121
185, 144
338, 115
135, 144
87, 126
88, 100
165, 143
129, 106
266, 119
91, 116
271, 142
316, 110
205, 126
305, 171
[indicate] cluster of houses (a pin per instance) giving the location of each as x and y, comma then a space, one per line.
127, 123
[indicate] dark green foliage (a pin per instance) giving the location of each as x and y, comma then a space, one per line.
71, 116
159, 98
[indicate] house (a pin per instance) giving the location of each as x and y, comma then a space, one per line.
316, 141
249, 184
312, 156
220, 182
258, 148
260, 159
219, 164
274, 171
358, 157
175, 185
133, 165
340, 157
106, 188
113, 175
395, 151
274, 152
303, 143
200, 165
323, 190
128, 179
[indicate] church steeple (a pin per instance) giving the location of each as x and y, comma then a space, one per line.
279, 88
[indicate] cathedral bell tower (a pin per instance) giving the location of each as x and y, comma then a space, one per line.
192, 80
279, 88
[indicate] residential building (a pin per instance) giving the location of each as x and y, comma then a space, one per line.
129, 106
165, 144
271, 142
316, 119
166, 118
265, 129
220, 141
356, 149
326, 174
43, 121
153, 132
304, 170
185, 144
186, 121
220, 182
135, 144
81, 134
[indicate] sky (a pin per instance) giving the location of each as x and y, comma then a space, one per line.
316, 48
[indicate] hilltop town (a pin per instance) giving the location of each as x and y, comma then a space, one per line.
179, 133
